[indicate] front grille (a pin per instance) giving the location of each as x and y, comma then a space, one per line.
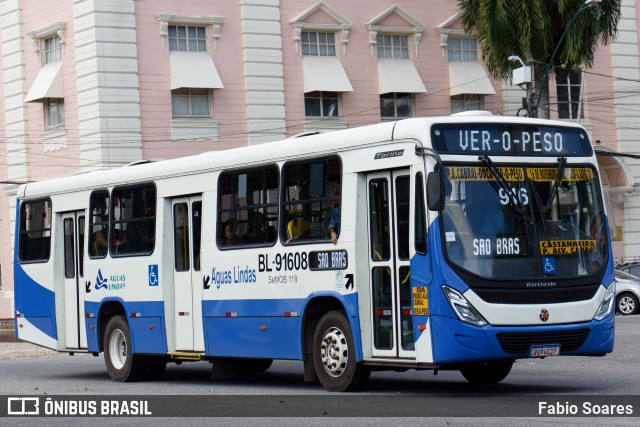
537, 296
520, 342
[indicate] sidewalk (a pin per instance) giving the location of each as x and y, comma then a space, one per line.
24, 350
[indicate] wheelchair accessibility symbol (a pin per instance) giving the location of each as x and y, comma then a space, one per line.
548, 265
153, 275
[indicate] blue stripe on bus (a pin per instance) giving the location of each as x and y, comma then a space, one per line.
148, 332
34, 302
259, 328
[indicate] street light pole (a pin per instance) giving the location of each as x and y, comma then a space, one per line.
587, 4
522, 77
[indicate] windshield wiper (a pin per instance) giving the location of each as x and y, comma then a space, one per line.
541, 210
501, 183
556, 183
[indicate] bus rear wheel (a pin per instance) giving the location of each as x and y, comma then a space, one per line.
334, 357
122, 364
490, 372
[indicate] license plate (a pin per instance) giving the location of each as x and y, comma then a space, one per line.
544, 350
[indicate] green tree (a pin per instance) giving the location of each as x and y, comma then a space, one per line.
532, 30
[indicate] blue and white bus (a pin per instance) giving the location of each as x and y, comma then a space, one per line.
445, 243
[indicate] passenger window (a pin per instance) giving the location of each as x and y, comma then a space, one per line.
99, 224
133, 226
35, 231
248, 202
311, 202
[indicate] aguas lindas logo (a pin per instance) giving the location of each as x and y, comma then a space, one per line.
113, 282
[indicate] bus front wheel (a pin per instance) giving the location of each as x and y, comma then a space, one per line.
122, 364
490, 372
334, 356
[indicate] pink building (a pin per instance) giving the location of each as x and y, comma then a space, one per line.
90, 84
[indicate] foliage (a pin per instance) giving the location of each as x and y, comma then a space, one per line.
531, 29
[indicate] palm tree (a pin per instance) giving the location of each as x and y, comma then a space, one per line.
532, 30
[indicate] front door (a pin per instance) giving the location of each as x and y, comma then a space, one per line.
73, 243
187, 217
389, 208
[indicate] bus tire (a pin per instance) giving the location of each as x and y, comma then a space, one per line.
122, 364
490, 372
334, 356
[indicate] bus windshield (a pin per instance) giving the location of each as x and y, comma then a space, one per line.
515, 222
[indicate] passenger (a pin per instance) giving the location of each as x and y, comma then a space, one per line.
333, 219
257, 229
230, 233
101, 243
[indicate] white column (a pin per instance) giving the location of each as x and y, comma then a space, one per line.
263, 70
14, 132
626, 73
107, 82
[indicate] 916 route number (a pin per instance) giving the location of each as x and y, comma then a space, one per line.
291, 261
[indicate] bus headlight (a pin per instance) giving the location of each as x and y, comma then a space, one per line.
463, 309
607, 303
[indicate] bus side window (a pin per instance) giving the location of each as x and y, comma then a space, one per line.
35, 231
311, 200
98, 224
133, 226
248, 207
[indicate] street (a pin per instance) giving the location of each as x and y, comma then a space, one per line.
555, 379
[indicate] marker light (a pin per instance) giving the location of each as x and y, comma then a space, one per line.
607, 303
463, 309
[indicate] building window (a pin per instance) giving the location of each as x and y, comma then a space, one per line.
392, 47
190, 103
396, 105
321, 104
54, 112
52, 50
187, 38
460, 103
462, 49
568, 83
318, 44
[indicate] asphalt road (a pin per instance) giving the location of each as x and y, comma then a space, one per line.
280, 397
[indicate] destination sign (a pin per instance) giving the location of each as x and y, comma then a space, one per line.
510, 138
328, 260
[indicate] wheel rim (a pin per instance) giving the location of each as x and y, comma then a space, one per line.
626, 305
117, 349
334, 352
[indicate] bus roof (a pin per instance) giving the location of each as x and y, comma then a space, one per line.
295, 147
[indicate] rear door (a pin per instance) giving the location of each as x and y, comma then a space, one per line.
73, 225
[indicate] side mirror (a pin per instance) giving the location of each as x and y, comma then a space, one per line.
435, 192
